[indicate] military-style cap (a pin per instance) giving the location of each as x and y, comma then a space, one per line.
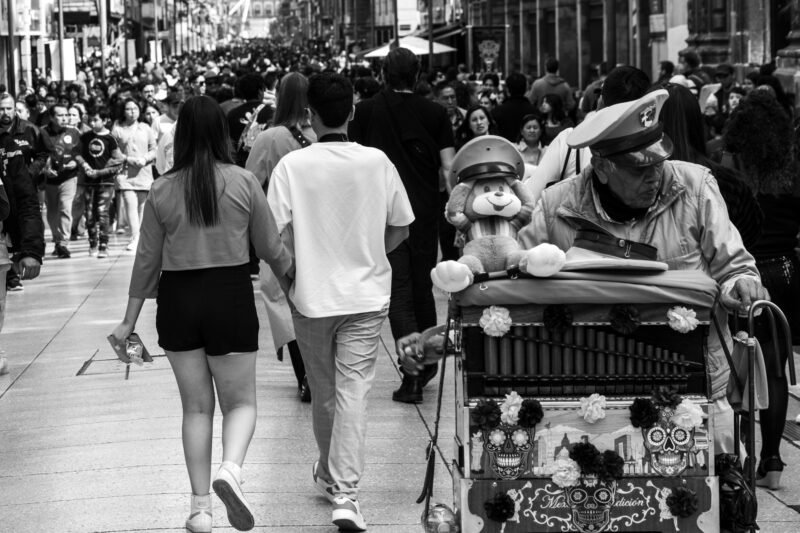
488, 156
628, 133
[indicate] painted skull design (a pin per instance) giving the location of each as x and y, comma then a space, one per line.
669, 445
508, 448
591, 501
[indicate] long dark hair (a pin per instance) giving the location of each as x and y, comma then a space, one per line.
683, 123
464, 133
201, 141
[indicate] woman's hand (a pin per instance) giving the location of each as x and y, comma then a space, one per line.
122, 332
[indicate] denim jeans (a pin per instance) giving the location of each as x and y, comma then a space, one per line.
97, 200
339, 354
58, 198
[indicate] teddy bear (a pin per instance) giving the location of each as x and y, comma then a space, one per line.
488, 207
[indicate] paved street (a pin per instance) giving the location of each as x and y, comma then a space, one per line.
101, 451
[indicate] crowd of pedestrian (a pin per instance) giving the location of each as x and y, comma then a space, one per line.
304, 171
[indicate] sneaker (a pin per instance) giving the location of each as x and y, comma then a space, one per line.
14, 285
228, 489
200, 518
92, 251
102, 252
3, 366
347, 515
324, 487
131, 247
304, 391
62, 252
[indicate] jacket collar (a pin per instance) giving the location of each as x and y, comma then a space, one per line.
588, 206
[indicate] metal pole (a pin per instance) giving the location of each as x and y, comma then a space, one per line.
579, 12
125, 31
101, 14
12, 56
155, 33
396, 26
174, 27
521, 40
430, 36
61, 40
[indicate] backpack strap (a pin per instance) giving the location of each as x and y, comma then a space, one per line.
566, 162
299, 137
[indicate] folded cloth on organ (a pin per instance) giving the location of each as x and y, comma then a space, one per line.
689, 288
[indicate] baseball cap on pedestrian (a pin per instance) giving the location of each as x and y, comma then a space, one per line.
629, 134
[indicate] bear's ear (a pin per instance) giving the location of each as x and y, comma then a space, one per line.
458, 198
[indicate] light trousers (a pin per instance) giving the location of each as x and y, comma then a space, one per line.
339, 354
59, 198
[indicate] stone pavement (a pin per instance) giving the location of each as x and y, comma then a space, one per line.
95, 447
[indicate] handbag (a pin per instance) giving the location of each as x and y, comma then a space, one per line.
740, 379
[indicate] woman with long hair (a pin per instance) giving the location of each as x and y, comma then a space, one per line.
137, 141
760, 135
531, 135
556, 119
477, 121
684, 124
193, 258
290, 131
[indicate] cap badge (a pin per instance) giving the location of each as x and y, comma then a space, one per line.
647, 117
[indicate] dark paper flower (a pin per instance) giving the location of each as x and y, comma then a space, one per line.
624, 319
682, 502
486, 414
644, 413
666, 397
588, 458
613, 466
500, 508
530, 414
557, 318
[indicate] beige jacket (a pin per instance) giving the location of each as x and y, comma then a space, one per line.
689, 225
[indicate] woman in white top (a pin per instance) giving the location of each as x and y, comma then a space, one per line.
290, 131
530, 139
137, 141
193, 257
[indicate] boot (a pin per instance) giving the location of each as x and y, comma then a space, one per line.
199, 520
410, 390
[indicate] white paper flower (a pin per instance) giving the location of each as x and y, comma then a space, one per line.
593, 408
510, 409
566, 472
495, 321
682, 319
688, 415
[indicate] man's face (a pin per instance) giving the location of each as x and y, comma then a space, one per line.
200, 85
74, 117
61, 116
50, 101
96, 123
726, 80
448, 98
6, 112
22, 110
148, 91
636, 187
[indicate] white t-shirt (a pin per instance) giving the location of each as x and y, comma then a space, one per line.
337, 198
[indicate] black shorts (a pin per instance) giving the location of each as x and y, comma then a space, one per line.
211, 308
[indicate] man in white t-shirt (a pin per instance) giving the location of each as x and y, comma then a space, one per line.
342, 206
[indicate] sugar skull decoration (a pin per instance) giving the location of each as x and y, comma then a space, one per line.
508, 430
589, 481
668, 425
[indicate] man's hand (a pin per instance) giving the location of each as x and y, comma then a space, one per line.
407, 354
70, 165
28, 268
744, 293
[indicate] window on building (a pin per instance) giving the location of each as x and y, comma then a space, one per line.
256, 10
268, 9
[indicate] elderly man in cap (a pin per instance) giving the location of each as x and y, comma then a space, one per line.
634, 194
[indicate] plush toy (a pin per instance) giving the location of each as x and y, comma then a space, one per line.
488, 207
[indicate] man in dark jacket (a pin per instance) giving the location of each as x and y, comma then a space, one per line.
35, 148
24, 224
508, 115
415, 133
552, 83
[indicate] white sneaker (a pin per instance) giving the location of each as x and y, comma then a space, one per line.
3, 366
324, 487
228, 489
131, 247
347, 515
200, 519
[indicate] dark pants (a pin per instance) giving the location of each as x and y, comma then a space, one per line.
447, 232
97, 200
782, 279
412, 307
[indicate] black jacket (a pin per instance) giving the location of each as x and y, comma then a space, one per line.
36, 148
24, 223
509, 114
